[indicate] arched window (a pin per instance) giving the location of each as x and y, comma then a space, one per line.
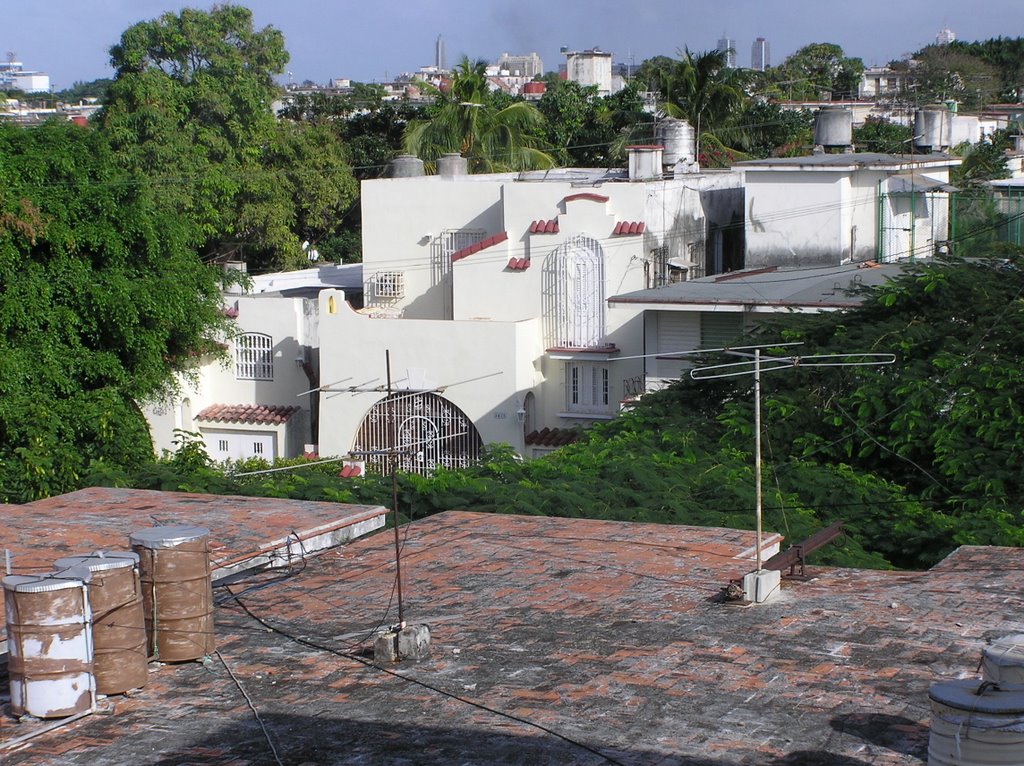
254, 356
429, 431
574, 307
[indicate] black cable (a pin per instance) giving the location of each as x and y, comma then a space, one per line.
437, 690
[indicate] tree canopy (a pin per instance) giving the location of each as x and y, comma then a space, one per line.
190, 107
815, 69
102, 300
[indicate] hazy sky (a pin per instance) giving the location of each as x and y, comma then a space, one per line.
369, 40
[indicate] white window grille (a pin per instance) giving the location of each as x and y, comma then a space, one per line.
432, 432
389, 284
587, 389
254, 357
222, 445
574, 294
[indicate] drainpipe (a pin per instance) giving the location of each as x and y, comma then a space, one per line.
879, 245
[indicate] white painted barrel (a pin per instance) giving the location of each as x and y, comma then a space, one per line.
976, 723
1003, 661
120, 661
49, 644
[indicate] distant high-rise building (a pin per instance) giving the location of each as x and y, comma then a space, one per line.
727, 46
760, 55
528, 65
439, 60
945, 36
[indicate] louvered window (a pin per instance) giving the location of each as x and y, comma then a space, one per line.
254, 357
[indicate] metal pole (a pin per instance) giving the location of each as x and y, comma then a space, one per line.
393, 457
757, 449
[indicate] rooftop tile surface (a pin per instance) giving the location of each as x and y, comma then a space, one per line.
559, 641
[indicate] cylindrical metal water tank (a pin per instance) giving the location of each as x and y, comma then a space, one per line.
1003, 661
118, 628
933, 129
833, 127
679, 140
177, 595
49, 644
405, 166
452, 164
976, 723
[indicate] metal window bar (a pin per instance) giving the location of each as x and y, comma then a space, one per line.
431, 432
254, 357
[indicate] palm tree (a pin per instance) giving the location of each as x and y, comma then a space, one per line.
699, 88
468, 120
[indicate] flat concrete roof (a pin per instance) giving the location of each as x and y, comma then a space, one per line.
245, 532
851, 161
782, 289
560, 641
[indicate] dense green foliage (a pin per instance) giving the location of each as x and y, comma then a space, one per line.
941, 73
101, 300
587, 130
1006, 56
190, 108
816, 71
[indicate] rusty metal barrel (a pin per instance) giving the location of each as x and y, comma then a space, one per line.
177, 594
49, 644
118, 628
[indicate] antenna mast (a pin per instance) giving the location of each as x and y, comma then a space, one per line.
754, 367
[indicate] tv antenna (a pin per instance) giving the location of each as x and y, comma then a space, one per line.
754, 364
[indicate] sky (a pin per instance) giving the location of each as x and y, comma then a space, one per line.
370, 40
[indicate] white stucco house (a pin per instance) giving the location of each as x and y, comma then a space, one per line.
713, 312
488, 294
261, 400
826, 209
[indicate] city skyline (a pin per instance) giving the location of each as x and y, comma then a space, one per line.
372, 43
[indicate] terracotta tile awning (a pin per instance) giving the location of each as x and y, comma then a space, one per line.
629, 228
544, 227
476, 247
350, 471
552, 437
249, 414
518, 264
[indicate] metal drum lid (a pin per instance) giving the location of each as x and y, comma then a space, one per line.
963, 694
167, 537
70, 578
1008, 650
100, 561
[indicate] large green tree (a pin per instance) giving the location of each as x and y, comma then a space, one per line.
468, 119
947, 73
190, 107
102, 300
814, 70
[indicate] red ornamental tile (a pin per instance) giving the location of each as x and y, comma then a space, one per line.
587, 196
476, 247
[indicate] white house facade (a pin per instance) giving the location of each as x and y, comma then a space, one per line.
251, 404
489, 295
827, 209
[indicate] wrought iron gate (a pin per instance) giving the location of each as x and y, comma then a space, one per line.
429, 431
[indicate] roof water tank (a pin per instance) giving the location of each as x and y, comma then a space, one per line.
833, 127
452, 164
177, 593
118, 628
933, 129
405, 166
49, 644
679, 140
976, 723
1003, 661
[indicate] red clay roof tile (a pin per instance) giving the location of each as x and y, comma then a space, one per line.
627, 228
586, 195
250, 414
